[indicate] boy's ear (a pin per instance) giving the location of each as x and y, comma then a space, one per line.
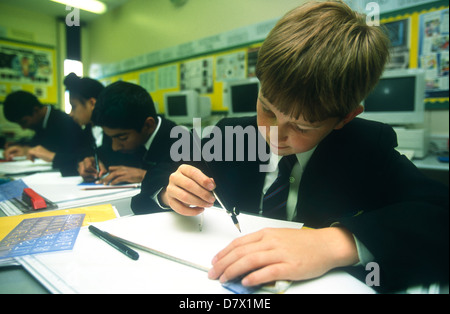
91, 102
149, 125
349, 117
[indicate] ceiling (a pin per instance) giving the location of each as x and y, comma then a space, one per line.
58, 10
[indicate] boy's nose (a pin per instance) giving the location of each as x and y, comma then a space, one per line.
115, 146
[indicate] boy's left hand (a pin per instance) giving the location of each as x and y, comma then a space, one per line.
284, 254
121, 174
40, 152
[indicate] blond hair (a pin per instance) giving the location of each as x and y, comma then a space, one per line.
321, 60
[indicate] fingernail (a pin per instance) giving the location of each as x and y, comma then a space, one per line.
223, 279
211, 274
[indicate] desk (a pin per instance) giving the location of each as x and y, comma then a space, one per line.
17, 280
433, 168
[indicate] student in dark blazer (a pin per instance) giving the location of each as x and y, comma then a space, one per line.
365, 202
127, 115
57, 137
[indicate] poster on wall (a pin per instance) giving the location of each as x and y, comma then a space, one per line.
433, 52
197, 75
230, 66
27, 67
399, 35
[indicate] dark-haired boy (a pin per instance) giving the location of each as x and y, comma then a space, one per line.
127, 115
57, 137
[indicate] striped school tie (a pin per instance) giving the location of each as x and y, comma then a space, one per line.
275, 199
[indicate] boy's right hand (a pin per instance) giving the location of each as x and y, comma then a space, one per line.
88, 171
189, 191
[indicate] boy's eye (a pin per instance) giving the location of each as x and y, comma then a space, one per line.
299, 129
266, 110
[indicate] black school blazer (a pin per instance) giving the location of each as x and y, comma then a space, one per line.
357, 178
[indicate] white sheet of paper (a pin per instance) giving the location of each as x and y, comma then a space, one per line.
95, 267
24, 166
66, 191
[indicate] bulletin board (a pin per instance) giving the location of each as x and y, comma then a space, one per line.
420, 39
29, 67
205, 74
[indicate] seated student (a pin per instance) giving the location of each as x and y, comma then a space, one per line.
364, 201
83, 94
127, 115
56, 137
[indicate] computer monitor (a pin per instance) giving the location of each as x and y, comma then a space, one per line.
183, 106
241, 96
398, 98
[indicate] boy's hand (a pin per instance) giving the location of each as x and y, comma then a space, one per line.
40, 152
121, 174
189, 191
14, 151
284, 254
88, 171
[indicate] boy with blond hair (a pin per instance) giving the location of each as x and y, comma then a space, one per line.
363, 200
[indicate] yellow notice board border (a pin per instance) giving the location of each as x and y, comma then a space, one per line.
30, 67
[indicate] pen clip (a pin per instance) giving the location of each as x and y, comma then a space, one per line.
234, 212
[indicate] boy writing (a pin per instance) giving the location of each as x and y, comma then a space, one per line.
364, 201
57, 137
127, 115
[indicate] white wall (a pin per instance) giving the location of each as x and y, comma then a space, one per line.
142, 26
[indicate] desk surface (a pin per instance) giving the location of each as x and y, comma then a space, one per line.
431, 162
16, 280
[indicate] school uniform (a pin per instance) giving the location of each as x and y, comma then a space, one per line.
60, 134
156, 151
356, 178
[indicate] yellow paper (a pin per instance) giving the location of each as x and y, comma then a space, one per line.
93, 214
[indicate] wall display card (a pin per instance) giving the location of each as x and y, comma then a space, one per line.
433, 52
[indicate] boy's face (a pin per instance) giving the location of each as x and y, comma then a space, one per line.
125, 140
81, 112
33, 122
294, 136
129, 140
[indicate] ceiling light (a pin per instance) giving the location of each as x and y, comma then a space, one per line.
93, 6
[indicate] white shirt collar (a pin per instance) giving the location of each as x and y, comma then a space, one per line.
44, 124
302, 158
152, 137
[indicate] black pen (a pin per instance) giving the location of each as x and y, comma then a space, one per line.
105, 236
97, 165
94, 148
232, 213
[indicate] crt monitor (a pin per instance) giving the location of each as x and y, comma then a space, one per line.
241, 96
398, 98
183, 106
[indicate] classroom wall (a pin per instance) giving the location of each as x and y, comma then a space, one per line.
30, 27
142, 26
